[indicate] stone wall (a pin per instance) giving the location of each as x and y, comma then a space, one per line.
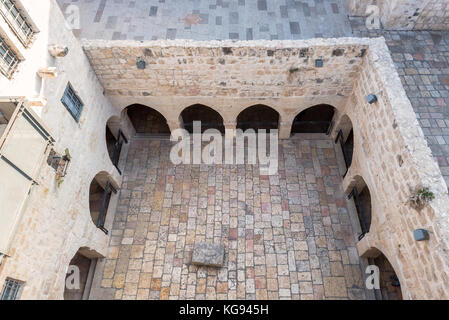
227, 76
391, 155
392, 158
56, 221
406, 14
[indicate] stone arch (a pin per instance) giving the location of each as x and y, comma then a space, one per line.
258, 117
315, 119
390, 284
147, 120
210, 118
80, 273
100, 192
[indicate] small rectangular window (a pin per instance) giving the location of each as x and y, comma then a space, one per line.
8, 59
72, 102
11, 290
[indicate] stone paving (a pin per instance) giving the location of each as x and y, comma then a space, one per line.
210, 19
286, 236
422, 61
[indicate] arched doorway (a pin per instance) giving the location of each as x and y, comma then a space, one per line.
258, 117
146, 120
210, 119
362, 200
100, 192
345, 137
80, 273
390, 286
316, 119
115, 140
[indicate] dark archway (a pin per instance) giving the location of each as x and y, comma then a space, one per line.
390, 287
345, 137
210, 119
146, 120
100, 193
115, 140
79, 277
316, 119
362, 201
258, 117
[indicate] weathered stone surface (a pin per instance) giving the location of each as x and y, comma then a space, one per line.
208, 254
405, 15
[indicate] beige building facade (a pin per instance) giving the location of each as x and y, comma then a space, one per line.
63, 178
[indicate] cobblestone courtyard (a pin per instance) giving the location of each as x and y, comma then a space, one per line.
287, 236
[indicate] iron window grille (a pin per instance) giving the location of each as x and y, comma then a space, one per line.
72, 103
11, 290
8, 59
17, 21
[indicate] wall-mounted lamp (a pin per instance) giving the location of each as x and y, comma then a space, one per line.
141, 64
371, 98
421, 234
319, 63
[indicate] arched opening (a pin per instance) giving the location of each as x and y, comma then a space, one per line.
362, 200
316, 119
100, 192
80, 273
258, 117
210, 119
115, 140
389, 285
345, 137
147, 120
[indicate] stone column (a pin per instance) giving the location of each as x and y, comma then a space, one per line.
230, 127
174, 124
285, 129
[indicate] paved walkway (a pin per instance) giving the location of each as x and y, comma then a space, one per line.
210, 19
287, 236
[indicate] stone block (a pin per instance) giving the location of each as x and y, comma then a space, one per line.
208, 254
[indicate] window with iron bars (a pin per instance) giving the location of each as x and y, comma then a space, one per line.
8, 59
72, 102
11, 290
17, 21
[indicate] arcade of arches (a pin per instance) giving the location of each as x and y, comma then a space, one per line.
302, 214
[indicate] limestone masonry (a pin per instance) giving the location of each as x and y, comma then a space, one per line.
93, 207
